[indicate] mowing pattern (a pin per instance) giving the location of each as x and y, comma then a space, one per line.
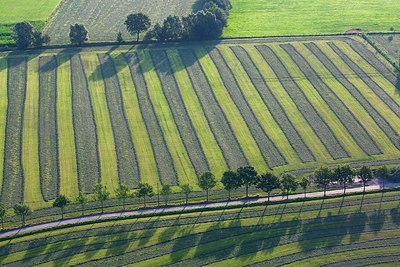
288, 105
314, 233
48, 145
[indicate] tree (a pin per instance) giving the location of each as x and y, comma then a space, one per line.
137, 23
101, 193
207, 181
23, 34
61, 202
144, 190
2, 214
22, 210
288, 183
186, 189
122, 193
171, 30
165, 192
383, 173
323, 177
344, 175
82, 199
365, 175
304, 183
268, 182
78, 34
231, 181
120, 39
39, 39
248, 177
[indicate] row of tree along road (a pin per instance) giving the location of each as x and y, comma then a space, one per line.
231, 180
205, 24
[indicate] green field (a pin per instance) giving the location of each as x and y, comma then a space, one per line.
361, 230
13, 11
168, 114
292, 17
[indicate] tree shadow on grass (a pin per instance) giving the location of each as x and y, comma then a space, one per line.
395, 215
376, 220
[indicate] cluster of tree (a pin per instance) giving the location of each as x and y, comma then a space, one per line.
205, 24
231, 180
25, 35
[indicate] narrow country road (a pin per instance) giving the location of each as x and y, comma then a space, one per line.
194, 207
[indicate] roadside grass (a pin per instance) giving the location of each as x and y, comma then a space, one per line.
3, 112
276, 18
277, 234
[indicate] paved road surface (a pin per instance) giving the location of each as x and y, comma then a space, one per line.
194, 207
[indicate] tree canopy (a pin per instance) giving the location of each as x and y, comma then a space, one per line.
78, 34
137, 23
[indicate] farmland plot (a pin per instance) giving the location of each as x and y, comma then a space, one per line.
105, 18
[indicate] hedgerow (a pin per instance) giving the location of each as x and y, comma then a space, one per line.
87, 155
309, 112
166, 168
273, 104
48, 137
128, 169
351, 123
354, 91
178, 109
269, 151
216, 118
13, 176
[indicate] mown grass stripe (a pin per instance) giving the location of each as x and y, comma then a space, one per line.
211, 148
85, 128
13, 174
348, 119
30, 154
106, 144
166, 168
271, 101
128, 169
294, 116
48, 139
308, 103
370, 75
66, 143
179, 112
372, 96
360, 96
183, 166
217, 120
141, 140
271, 154
3, 113
240, 128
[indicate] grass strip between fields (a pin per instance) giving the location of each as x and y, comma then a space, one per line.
66, 142
206, 137
147, 164
106, 145
232, 113
32, 191
355, 107
183, 165
3, 112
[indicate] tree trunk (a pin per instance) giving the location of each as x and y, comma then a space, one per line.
287, 195
144, 201
247, 191
137, 39
83, 208
269, 193
123, 204
364, 187
187, 199
62, 213
325, 191
305, 193
344, 188
383, 183
229, 194
207, 195
23, 219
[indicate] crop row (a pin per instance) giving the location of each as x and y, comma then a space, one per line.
216, 118
48, 145
179, 112
321, 222
269, 151
355, 92
162, 155
87, 158
128, 169
317, 123
13, 177
274, 106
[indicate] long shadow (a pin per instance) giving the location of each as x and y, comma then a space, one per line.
49, 66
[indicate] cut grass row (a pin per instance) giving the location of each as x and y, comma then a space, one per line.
47, 128
266, 224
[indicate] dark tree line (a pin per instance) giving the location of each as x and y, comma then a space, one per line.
25, 36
